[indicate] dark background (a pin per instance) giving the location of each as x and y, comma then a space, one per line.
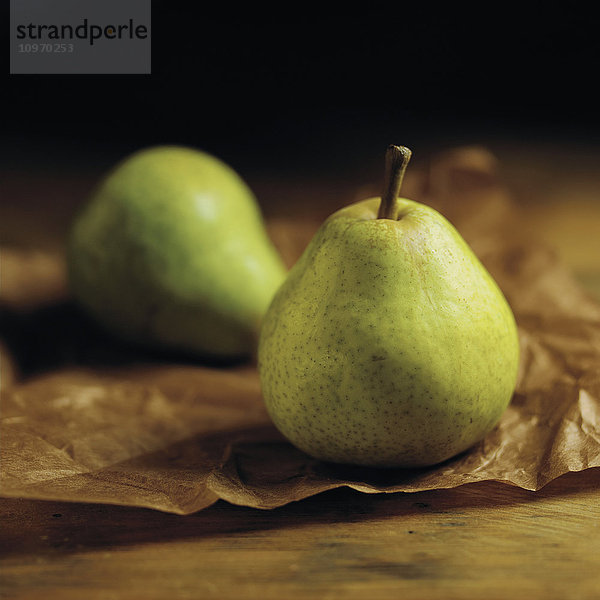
301, 91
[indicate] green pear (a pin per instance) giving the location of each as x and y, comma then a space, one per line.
171, 251
389, 344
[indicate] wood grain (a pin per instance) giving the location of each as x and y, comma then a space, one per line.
478, 541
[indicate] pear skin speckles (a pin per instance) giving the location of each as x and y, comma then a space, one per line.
389, 344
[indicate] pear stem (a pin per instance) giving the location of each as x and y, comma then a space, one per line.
396, 161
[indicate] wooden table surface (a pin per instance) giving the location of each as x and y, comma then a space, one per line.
477, 541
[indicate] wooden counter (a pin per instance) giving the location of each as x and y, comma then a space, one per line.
478, 541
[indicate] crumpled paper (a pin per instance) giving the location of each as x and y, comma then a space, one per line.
92, 420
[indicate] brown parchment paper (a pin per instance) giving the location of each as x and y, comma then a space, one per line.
98, 422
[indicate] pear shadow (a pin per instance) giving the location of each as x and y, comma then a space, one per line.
276, 462
54, 527
62, 335
383, 476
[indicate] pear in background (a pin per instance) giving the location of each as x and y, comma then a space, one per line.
389, 344
171, 251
